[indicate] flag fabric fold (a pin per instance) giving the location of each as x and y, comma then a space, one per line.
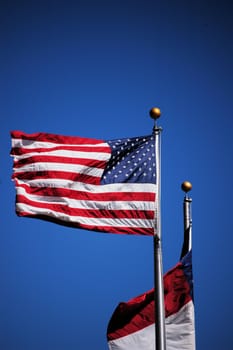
107, 186
132, 325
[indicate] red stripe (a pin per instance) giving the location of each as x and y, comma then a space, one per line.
40, 175
105, 229
120, 230
89, 213
54, 138
77, 148
94, 163
82, 195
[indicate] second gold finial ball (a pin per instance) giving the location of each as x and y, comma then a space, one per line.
155, 113
186, 186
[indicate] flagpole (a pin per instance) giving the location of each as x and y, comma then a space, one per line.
160, 337
187, 245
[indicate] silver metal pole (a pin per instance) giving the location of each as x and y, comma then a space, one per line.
187, 245
160, 336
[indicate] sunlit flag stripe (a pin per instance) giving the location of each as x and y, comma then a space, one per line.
90, 152
92, 221
80, 194
142, 211
131, 230
42, 140
70, 168
86, 212
41, 177
66, 151
137, 205
147, 190
94, 163
64, 183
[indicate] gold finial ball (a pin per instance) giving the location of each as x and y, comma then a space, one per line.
155, 113
186, 186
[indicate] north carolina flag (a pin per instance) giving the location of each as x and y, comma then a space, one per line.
107, 186
132, 326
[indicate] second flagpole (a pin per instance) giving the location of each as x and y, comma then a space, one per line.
160, 337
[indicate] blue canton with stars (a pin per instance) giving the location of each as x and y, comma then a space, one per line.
132, 161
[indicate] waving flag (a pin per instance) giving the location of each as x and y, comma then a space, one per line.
132, 326
107, 186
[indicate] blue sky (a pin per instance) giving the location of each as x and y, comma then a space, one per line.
94, 69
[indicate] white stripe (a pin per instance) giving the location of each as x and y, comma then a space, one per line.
31, 144
75, 168
88, 204
79, 186
100, 222
66, 153
180, 334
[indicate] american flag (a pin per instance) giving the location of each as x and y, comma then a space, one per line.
107, 186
